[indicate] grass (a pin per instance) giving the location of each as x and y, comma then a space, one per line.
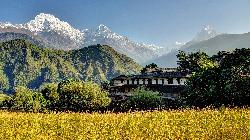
175, 124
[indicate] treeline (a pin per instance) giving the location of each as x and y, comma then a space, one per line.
68, 95
220, 80
78, 96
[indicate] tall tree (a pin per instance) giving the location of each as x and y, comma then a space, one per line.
226, 84
194, 62
81, 96
150, 66
26, 100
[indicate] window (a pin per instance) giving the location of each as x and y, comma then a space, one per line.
149, 81
170, 81
162, 81
128, 82
178, 80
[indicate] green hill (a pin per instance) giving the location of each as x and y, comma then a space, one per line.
24, 64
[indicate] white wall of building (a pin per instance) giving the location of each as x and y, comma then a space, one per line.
130, 81
165, 81
160, 81
183, 80
117, 82
140, 81
175, 81
153, 81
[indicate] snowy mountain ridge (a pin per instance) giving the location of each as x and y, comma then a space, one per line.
61, 35
46, 23
206, 33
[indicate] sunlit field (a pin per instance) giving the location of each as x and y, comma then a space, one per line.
175, 124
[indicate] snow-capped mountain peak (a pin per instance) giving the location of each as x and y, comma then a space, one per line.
105, 31
206, 33
5, 25
209, 29
54, 33
49, 23
103, 28
177, 43
45, 22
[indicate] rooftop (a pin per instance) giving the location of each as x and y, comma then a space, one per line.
155, 73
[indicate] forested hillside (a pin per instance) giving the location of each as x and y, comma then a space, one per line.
24, 64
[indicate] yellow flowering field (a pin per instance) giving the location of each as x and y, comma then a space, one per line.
172, 124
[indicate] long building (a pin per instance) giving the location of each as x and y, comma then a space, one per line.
168, 81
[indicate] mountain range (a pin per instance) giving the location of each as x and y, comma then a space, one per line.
209, 41
169, 59
25, 64
46, 30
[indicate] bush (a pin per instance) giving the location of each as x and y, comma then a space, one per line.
4, 100
49, 92
26, 100
143, 99
82, 96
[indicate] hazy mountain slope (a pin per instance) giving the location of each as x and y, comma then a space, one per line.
222, 42
167, 60
7, 36
22, 63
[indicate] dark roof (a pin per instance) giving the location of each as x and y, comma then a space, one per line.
120, 77
153, 75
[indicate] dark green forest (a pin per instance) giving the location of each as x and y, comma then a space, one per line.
24, 64
220, 80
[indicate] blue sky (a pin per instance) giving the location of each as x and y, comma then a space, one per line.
161, 22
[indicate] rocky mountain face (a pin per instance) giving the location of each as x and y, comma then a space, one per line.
51, 32
25, 64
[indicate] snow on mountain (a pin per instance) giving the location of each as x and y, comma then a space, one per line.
7, 25
103, 35
47, 23
206, 33
49, 30
61, 35
177, 43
